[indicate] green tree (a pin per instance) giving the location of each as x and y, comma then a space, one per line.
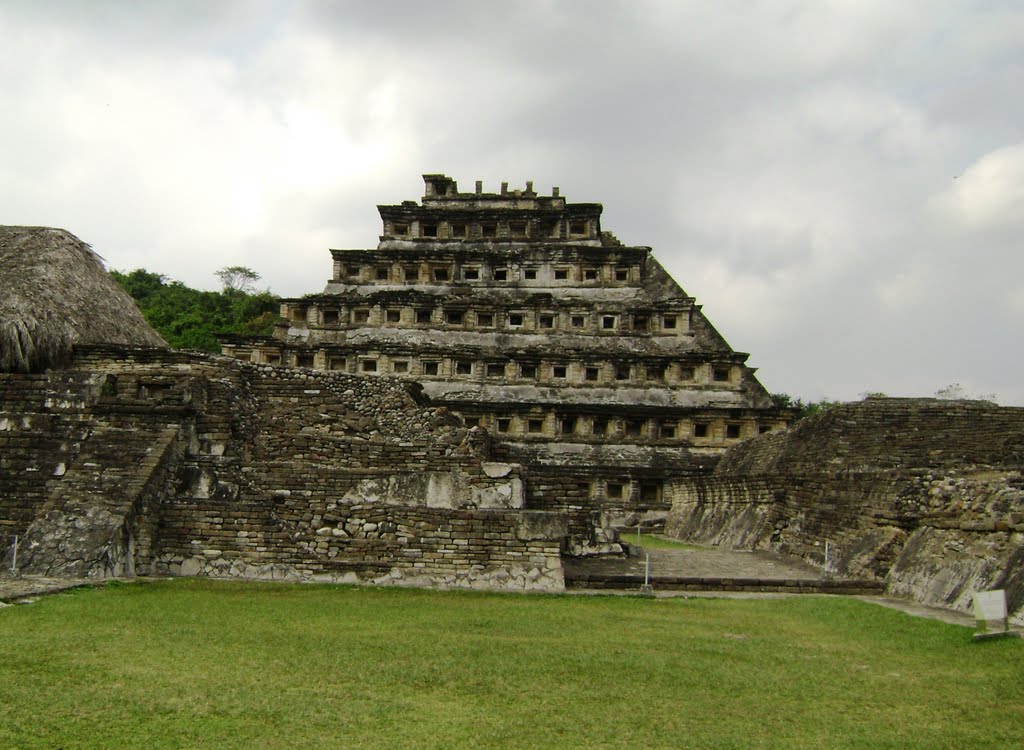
238, 279
802, 408
190, 318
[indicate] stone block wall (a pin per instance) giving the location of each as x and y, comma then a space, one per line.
924, 494
602, 485
279, 473
41, 432
99, 519
362, 543
882, 434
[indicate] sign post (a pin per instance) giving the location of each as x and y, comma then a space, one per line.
990, 612
647, 589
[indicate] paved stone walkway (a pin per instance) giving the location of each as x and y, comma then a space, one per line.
713, 562
26, 587
702, 562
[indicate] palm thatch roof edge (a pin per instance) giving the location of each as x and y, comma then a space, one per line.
55, 293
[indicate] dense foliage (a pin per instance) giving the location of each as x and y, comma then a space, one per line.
951, 392
803, 408
190, 318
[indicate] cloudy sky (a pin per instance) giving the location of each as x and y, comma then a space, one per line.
839, 182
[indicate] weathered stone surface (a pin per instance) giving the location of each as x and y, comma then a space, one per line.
186, 464
438, 490
537, 525
926, 495
496, 470
579, 356
90, 524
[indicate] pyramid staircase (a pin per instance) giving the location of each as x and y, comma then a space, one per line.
98, 520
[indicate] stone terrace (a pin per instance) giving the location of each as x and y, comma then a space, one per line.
265, 473
924, 495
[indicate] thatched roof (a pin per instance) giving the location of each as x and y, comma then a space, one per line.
55, 293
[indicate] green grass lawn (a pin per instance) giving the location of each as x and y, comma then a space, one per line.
203, 664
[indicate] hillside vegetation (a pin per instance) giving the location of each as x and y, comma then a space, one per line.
190, 318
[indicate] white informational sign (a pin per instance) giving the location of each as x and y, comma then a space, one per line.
990, 605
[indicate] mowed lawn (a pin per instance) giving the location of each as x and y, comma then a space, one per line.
206, 664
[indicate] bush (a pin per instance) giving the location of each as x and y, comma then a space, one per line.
190, 318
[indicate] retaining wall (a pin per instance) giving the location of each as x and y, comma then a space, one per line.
925, 495
281, 473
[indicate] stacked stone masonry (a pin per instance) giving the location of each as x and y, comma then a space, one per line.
925, 495
41, 434
153, 462
580, 356
498, 383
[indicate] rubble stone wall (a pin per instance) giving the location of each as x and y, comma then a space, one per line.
290, 473
369, 543
96, 523
925, 494
41, 432
621, 482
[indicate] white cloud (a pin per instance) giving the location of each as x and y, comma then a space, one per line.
779, 39
1013, 303
783, 158
990, 192
177, 163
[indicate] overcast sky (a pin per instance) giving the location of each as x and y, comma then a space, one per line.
840, 183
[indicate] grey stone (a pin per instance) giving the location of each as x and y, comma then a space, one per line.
191, 566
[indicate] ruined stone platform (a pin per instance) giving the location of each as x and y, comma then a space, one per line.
13, 588
711, 569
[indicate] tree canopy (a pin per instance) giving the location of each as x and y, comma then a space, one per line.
951, 392
238, 279
803, 408
190, 318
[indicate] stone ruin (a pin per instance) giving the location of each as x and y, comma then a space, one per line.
924, 495
580, 356
149, 462
499, 384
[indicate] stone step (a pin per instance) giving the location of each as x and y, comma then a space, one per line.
84, 529
692, 583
